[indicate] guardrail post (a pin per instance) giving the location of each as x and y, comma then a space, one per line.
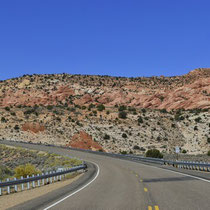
42, 179
64, 174
50, 177
47, 178
15, 185
8, 188
54, 176
33, 183
38, 182
0, 189
22, 185
28, 183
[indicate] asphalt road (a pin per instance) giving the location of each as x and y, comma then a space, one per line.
121, 184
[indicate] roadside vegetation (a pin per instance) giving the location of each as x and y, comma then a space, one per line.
17, 162
154, 153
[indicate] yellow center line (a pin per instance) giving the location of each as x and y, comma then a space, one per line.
156, 208
149, 207
145, 189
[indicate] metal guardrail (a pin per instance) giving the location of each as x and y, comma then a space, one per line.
178, 164
45, 178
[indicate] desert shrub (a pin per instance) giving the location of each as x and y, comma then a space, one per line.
106, 136
184, 151
7, 108
136, 147
142, 149
195, 128
208, 153
91, 106
95, 112
208, 140
158, 138
5, 172
163, 110
155, 153
101, 107
3, 119
122, 115
132, 109
49, 107
140, 120
198, 119
29, 111
84, 107
58, 119
173, 125
13, 113
144, 110
178, 116
16, 127
124, 135
24, 170
122, 108
123, 152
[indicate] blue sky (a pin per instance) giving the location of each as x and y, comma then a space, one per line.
106, 37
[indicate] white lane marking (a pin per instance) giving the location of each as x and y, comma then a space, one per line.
205, 180
54, 204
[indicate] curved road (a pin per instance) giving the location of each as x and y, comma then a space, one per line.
121, 184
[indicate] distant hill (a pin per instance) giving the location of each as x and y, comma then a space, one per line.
118, 113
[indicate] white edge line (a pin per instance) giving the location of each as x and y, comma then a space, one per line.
54, 204
205, 180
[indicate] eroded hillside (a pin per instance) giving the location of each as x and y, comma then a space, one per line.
109, 113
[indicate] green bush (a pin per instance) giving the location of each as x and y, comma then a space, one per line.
140, 120
106, 136
101, 107
122, 108
122, 115
7, 108
131, 109
136, 147
198, 119
124, 135
49, 107
16, 127
155, 153
5, 172
3, 119
24, 170
184, 151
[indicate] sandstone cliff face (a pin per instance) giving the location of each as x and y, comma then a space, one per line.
182, 92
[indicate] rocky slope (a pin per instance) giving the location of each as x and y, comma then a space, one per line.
87, 111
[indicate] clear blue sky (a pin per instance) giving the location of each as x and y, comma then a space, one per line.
107, 37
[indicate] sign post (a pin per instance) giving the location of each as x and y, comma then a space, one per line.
177, 150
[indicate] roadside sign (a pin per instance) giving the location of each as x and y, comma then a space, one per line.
177, 150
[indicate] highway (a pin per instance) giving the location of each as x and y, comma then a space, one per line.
125, 185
